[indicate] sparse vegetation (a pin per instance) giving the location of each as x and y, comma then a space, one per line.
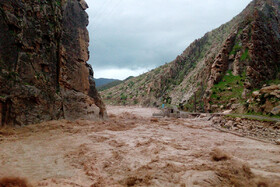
245, 55
123, 97
237, 47
275, 81
229, 87
130, 84
58, 2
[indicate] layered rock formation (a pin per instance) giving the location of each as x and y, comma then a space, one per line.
44, 73
226, 64
253, 49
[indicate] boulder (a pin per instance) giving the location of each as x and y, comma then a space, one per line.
276, 93
269, 89
229, 124
256, 94
232, 100
238, 119
235, 106
203, 115
267, 107
227, 111
213, 107
276, 110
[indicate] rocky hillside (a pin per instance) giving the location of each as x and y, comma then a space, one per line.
219, 70
44, 73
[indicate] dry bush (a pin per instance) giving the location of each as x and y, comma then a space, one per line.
14, 182
219, 155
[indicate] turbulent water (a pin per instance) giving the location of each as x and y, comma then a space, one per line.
133, 149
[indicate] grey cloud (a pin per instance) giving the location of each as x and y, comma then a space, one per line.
144, 34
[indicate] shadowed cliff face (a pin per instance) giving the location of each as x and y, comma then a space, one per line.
44, 73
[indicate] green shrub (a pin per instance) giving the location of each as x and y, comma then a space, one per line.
245, 55
237, 47
130, 84
123, 97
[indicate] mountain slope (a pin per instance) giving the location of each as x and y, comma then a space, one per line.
245, 49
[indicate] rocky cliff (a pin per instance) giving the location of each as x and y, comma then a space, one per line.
217, 71
44, 73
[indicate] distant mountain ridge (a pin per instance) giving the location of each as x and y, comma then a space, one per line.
103, 81
111, 84
219, 70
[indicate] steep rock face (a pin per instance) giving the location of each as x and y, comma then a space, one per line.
44, 73
252, 50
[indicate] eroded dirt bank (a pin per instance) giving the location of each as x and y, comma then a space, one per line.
134, 149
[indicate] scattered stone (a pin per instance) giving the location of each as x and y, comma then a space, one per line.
229, 124
235, 106
214, 106
238, 119
245, 127
277, 141
232, 100
203, 115
227, 111
247, 85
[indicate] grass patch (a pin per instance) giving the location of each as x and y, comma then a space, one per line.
123, 97
270, 82
245, 55
58, 2
130, 84
229, 87
237, 47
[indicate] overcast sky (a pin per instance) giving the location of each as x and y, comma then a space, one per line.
130, 37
